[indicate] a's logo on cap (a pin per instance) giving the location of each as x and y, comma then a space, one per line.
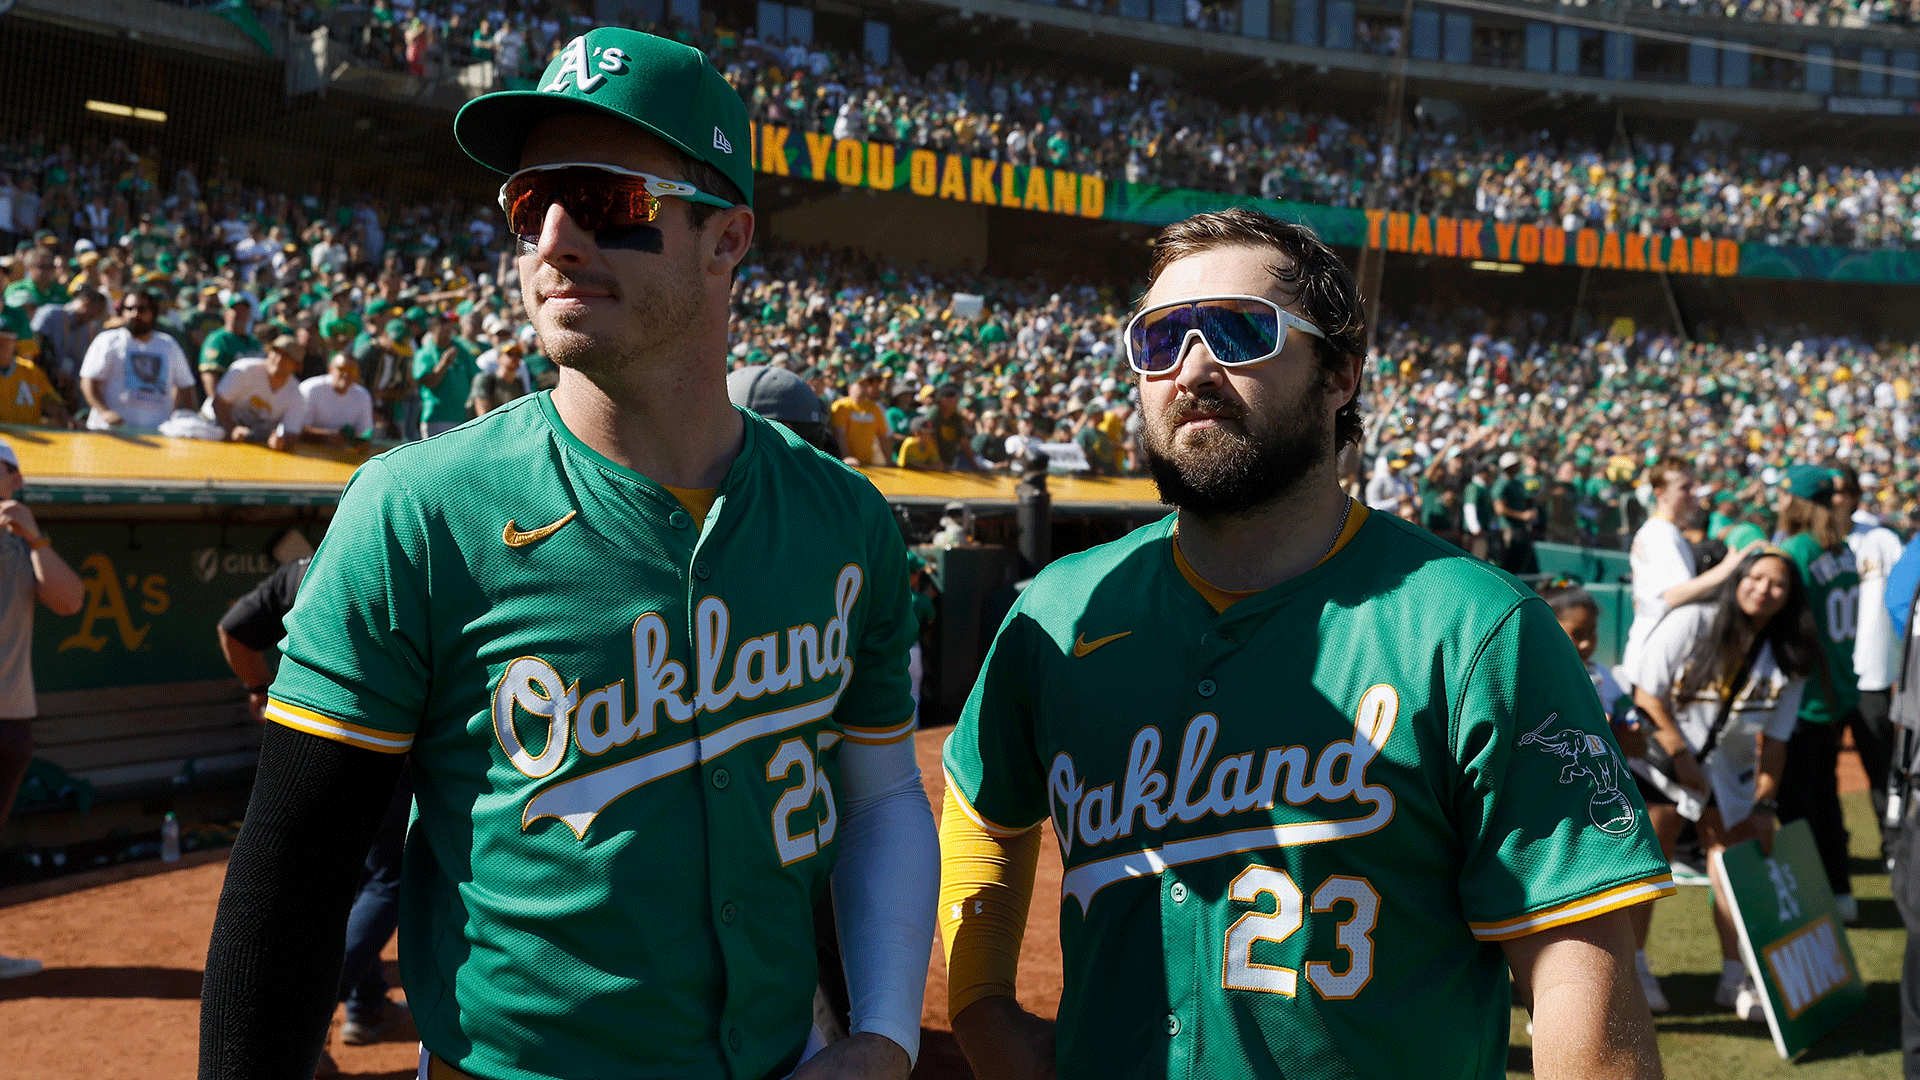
575, 65
720, 142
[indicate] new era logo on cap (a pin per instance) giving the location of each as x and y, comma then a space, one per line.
720, 142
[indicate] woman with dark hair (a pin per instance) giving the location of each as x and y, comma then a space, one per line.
1722, 682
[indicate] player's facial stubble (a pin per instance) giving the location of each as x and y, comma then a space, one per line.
655, 293
1243, 464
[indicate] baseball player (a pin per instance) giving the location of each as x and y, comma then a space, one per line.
1318, 779
648, 654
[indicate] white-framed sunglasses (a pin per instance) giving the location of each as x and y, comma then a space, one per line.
597, 196
1239, 330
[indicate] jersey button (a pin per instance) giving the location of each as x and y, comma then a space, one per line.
679, 519
1178, 892
720, 778
1173, 1024
727, 912
1206, 688
735, 1041
700, 571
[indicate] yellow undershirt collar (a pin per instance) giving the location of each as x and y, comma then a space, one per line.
695, 501
1222, 599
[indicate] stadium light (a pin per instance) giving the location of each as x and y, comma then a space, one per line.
111, 108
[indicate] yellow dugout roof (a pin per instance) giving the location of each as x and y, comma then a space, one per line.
99, 467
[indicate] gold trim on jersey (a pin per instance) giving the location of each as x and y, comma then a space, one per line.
1585, 907
884, 737
313, 723
966, 807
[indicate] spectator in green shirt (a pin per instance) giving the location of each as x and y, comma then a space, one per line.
229, 343
1482, 530
900, 410
1103, 455
1517, 515
444, 366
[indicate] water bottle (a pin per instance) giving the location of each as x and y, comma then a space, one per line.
170, 838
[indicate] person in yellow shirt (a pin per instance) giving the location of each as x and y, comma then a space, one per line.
921, 450
861, 422
26, 395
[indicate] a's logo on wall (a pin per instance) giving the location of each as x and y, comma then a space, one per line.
1587, 754
107, 602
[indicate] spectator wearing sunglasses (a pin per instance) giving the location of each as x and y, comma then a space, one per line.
135, 375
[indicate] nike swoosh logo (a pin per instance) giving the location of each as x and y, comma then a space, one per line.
1082, 646
515, 538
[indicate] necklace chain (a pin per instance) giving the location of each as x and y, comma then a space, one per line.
1339, 532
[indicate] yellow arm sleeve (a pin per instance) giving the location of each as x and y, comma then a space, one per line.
986, 889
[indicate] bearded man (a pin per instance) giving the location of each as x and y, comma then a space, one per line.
1311, 814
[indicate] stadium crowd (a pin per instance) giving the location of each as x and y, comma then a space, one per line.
424, 37
1852, 13
391, 321
1172, 137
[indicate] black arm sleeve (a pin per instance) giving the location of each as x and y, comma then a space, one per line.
273, 965
258, 619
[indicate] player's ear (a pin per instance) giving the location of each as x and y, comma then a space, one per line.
730, 234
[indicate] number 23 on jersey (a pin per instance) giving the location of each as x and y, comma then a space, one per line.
1339, 893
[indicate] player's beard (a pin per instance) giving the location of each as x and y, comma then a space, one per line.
612, 341
1243, 464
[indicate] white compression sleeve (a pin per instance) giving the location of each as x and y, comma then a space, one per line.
885, 888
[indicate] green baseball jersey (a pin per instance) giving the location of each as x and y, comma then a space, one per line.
223, 347
625, 726
1295, 832
1833, 592
446, 401
1480, 496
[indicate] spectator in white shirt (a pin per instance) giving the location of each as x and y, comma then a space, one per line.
27, 208
338, 407
1388, 485
134, 375
329, 255
258, 400
1661, 560
1876, 648
254, 250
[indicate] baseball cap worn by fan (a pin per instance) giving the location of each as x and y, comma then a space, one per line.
659, 85
775, 393
1808, 481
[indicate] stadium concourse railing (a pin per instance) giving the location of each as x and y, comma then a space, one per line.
135, 698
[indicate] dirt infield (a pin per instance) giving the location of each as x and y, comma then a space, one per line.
120, 996
119, 999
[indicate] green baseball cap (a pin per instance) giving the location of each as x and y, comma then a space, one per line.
665, 87
1809, 481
